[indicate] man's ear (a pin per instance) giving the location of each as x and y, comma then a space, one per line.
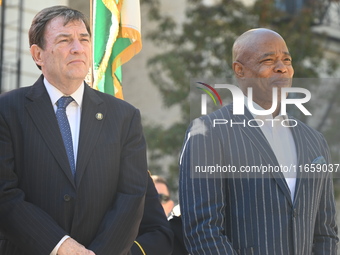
238, 69
36, 53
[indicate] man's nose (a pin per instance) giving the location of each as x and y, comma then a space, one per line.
77, 47
280, 67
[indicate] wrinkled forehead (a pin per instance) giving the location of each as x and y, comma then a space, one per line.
61, 21
258, 43
61, 25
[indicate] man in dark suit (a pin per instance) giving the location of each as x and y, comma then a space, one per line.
73, 178
244, 212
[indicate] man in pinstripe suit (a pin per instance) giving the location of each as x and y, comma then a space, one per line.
45, 208
268, 213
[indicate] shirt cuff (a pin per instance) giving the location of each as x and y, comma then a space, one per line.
56, 248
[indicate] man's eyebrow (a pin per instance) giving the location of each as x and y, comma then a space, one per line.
63, 35
69, 35
85, 35
273, 53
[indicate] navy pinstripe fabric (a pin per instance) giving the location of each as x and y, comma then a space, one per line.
253, 214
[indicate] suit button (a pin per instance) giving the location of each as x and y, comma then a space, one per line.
294, 213
67, 198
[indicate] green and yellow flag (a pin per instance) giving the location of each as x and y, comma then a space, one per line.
116, 39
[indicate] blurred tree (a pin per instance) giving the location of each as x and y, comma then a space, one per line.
201, 47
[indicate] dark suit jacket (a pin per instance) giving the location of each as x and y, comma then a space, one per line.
155, 235
39, 200
229, 213
177, 228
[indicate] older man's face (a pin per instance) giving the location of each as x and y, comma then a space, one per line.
67, 53
267, 64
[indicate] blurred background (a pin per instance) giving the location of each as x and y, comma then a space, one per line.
183, 39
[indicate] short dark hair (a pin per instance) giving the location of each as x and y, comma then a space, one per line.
36, 33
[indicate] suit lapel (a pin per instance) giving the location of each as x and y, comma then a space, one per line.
43, 116
90, 128
257, 137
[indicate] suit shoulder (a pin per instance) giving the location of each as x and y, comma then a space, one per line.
223, 113
13, 99
109, 99
205, 125
15, 93
308, 128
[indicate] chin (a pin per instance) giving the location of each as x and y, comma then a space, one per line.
282, 83
78, 75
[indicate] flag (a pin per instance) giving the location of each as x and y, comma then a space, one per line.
116, 39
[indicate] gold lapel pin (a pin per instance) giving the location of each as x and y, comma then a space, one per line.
99, 116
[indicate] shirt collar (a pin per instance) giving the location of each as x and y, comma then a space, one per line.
55, 93
258, 107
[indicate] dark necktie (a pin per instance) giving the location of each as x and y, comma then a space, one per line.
65, 129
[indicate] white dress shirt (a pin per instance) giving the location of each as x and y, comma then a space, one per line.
73, 112
281, 141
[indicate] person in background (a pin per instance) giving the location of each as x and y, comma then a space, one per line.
163, 193
173, 213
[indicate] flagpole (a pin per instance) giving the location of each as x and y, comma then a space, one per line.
2, 34
90, 77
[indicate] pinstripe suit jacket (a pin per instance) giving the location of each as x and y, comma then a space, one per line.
253, 213
39, 200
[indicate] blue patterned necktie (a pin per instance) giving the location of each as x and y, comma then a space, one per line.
65, 129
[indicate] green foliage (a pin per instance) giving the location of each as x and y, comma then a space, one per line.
201, 47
